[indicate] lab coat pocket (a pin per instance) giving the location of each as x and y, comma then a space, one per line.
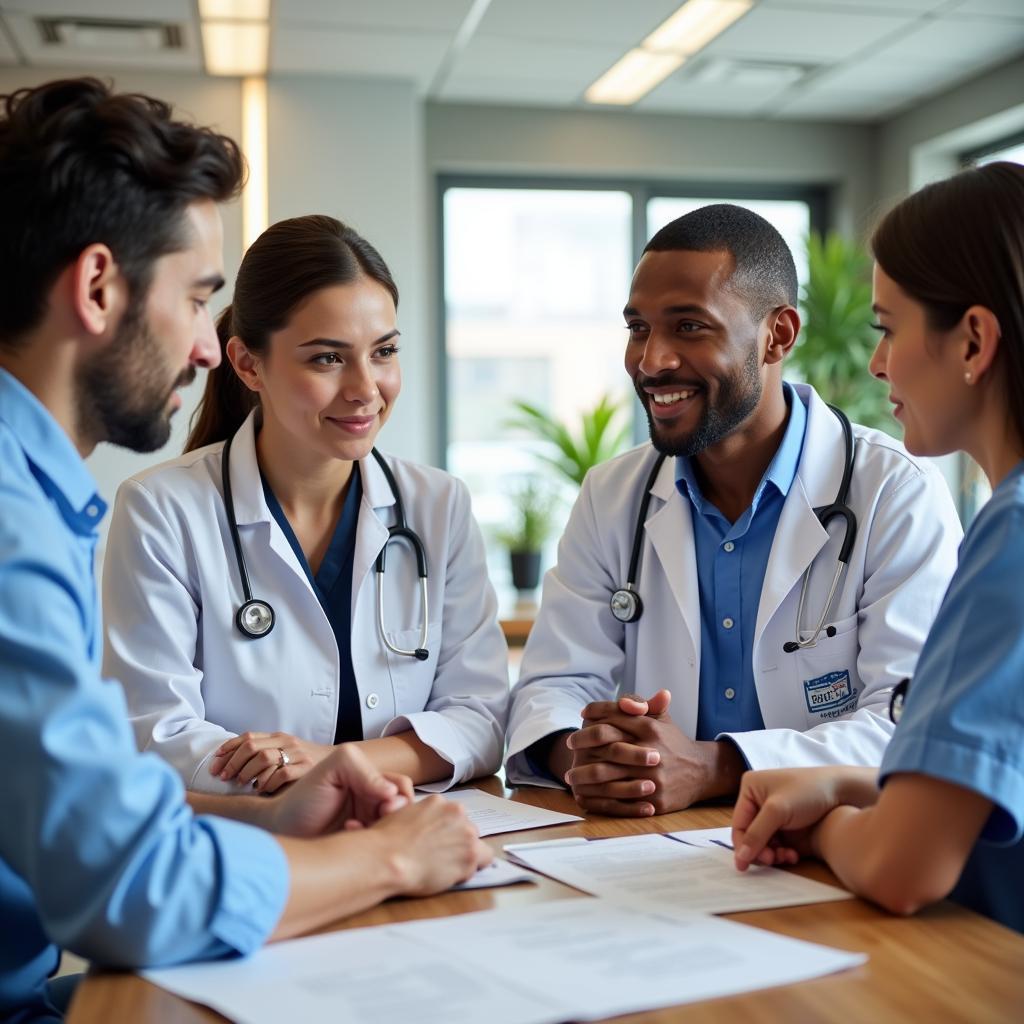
412, 679
828, 675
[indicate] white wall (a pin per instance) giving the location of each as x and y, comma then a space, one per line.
353, 148
925, 143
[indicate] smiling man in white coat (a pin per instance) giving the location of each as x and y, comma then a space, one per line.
667, 657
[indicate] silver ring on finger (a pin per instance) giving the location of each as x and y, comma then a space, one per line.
282, 758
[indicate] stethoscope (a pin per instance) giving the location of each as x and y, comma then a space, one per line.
256, 618
625, 602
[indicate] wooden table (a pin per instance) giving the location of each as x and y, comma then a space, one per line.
945, 964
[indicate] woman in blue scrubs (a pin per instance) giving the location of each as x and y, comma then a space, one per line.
944, 816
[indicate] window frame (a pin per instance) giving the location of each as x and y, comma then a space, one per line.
819, 198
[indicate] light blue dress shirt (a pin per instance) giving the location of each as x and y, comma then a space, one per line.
99, 852
963, 720
732, 559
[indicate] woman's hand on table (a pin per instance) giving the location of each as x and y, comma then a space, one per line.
254, 759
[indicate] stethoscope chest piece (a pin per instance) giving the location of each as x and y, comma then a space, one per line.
255, 619
626, 605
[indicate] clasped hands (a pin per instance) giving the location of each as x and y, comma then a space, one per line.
631, 760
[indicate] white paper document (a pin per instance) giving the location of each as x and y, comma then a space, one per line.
670, 875
492, 814
498, 872
576, 959
721, 837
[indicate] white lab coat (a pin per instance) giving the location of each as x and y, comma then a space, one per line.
901, 563
171, 589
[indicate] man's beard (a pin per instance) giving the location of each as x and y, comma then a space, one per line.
124, 391
738, 397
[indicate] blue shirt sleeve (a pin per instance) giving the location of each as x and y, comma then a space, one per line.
963, 721
120, 868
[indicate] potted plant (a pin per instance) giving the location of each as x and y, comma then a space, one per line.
533, 519
600, 437
838, 338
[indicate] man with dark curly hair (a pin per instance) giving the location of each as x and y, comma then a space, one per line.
110, 248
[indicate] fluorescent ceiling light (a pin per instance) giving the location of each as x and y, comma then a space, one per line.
690, 29
632, 77
234, 10
236, 47
694, 25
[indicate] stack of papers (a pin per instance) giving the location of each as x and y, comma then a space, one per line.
575, 959
664, 872
492, 814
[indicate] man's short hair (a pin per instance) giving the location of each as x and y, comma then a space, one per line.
763, 269
81, 164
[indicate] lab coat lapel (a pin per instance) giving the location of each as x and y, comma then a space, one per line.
251, 511
371, 532
670, 530
799, 535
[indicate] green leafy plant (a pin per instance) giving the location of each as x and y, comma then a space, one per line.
533, 510
599, 437
837, 339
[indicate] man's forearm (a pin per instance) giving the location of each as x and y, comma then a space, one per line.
253, 810
334, 877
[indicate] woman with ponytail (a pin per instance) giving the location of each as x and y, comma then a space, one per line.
945, 813
310, 373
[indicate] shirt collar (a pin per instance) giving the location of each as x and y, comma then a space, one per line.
780, 473
54, 460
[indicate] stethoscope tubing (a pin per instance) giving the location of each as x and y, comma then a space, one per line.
627, 606
255, 618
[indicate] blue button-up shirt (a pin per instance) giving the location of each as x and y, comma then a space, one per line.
98, 850
732, 559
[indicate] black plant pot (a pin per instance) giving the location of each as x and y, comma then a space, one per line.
525, 569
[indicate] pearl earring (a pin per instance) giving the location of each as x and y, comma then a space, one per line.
968, 377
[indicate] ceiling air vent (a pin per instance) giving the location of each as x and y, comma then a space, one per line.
107, 35
754, 74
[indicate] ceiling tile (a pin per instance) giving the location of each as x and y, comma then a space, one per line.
861, 6
881, 72
189, 58
782, 34
685, 95
520, 59
528, 90
164, 10
374, 54
577, 21
979, 41
1000, 8
403, 15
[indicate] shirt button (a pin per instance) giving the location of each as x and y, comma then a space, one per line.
92, 511
729, 693
728, 545
728, 623
372, 701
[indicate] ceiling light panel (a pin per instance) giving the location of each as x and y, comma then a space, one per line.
236, 48
234, 10
694, 25
632, 77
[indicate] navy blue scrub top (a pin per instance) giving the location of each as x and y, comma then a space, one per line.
333, 588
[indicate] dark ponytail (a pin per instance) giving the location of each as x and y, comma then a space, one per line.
288, 262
